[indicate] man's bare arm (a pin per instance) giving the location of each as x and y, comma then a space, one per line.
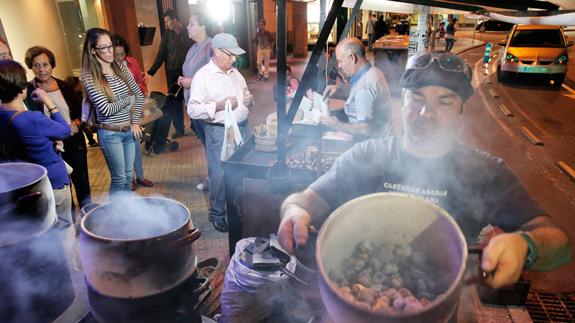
297, 212
553, 247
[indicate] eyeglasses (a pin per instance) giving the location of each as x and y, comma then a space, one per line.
38, 65
6, 55
446, 61
104, 49
230, 55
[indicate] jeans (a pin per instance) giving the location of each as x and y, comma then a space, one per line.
214, 143
138, 167
449, 44
178, 110
119, 152
217, 197
199, 128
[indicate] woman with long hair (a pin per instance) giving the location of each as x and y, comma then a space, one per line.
117, 102
122, 56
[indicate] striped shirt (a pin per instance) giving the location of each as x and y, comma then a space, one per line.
120, 110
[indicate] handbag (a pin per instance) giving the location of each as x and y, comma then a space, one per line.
232, 135
88, 113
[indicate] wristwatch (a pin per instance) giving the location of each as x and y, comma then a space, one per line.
532, 255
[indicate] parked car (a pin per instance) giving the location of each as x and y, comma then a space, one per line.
536, 50
493, 25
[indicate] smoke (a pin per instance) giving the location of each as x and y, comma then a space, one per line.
35, 285
134, 218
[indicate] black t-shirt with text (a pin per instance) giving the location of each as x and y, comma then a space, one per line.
476, 189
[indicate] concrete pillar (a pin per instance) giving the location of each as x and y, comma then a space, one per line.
418, 37
299, 29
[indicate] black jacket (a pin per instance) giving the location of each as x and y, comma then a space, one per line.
77, 141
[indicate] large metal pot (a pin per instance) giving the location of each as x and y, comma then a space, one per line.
138, 247
27, 206
396, 219
35, 284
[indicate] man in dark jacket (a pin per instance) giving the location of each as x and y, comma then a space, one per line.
173, 48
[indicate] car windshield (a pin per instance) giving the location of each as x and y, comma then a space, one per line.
537, 38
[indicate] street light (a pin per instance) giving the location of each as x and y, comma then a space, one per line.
219, 10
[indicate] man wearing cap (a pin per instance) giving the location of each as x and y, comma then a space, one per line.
368, 104
264, 40
213, 85
475, 188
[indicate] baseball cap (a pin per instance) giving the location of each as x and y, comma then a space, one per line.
227, 41
440, 69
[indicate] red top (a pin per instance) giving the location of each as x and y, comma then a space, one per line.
136, 72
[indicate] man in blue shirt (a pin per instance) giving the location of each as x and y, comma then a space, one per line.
368, 104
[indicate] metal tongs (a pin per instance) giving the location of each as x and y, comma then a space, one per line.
266, 254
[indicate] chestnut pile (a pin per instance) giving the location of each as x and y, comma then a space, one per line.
321, 163
386, 279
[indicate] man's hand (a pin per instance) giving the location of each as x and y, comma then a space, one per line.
504, 256
137, 131
248, 98
186, 82
293, 227
220, 105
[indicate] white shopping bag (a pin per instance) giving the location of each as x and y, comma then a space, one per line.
232, 135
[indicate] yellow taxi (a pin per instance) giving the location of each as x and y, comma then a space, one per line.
534, 49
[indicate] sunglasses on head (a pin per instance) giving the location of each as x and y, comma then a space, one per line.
446, 61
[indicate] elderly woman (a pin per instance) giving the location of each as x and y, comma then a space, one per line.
30, 135
42, 62
117, 102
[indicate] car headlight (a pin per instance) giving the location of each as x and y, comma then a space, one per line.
562, 59
511, 58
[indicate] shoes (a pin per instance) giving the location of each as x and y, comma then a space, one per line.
203, 186
260, 77
144, 182
134, 185
266, 79
220, 223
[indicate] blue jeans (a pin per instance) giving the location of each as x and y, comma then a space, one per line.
214, 143
199, 128
119, 152
217, 197
138, 167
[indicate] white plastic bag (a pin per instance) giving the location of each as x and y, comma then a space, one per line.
232, 135
248, 295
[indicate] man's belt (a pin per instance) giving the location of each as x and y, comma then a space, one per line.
240, 124
112, 127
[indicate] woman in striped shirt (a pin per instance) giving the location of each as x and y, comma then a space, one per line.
117, 102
